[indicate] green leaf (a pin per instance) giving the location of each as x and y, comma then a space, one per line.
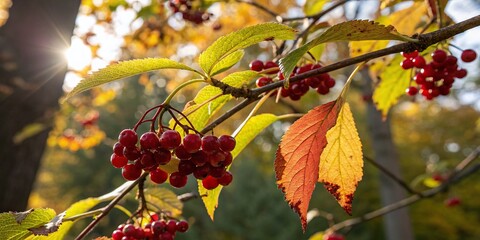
312, 7
16, 225
227, 62
199, 118
126, 69
393, 83
356, 30
164, 199
252, 128
241, 39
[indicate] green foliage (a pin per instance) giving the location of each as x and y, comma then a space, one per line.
163, 199
356, 30
231, 43
227, 62
126, 69
19, 225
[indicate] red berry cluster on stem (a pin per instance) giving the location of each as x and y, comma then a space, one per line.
207, 157
154, 230
322, 82
435, 78
184, 7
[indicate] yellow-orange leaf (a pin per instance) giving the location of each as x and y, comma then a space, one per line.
341, 163
298, 156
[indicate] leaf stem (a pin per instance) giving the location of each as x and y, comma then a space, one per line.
253, 111
179, 87
349, 80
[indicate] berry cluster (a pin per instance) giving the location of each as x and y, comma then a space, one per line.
154, 230
436, 77
188, 13
322, 82
206, 158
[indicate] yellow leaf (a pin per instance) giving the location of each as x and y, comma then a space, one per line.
341, 163
415, 15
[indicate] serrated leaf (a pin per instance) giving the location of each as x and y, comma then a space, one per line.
241, 39
298, 156
252, 128
312, 7
126, 69
164, 199
200, 117
341, 163
227, 62
355, 30
16, 225
393, 82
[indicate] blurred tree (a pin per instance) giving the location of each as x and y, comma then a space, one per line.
32, 71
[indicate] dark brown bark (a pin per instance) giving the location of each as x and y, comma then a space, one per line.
31, 76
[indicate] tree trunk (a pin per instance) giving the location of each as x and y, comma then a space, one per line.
32, 69
397, 224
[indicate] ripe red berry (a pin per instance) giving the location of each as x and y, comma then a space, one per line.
452, 202
118, 161
158, 176
217, 172
128, 138
201, 172
170, 139
263, 81
131, 172
166, 236
469, 55
451, 60
149, 140
412, 91
129, 230
192, 142
182, 226
118, 149
117, 235
131, 153
256, 65
171, 226
330, 82
147, 160
158, 227
419, 62
410, 54
162, 156
439, 56
178, 180
406, 64
210, 183
226, 179
210, 143
182, 153
228, 159
269, 65
227, 143
186, 167
461, 73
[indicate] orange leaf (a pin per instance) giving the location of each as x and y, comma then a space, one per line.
341, 162
298, 156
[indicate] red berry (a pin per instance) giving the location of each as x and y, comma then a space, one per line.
334, 236
210, 183
118, 149
210, 143
469, 55
256, 65
228, 159
178, 180
192, 142
263, 81
269, 65
427, 71
217, 172
313, 82
172, 226
330, 82
182, 226
131, 172
216, 159
322, 90
166, 236
226, 179
461, 73
419, 78
199, 158
201, 172
182, 153
129, 230
406, 64
158, 227
451, 60
227, 143
439, 56
147, 160
419, 62
410, 54
158, 176
117, 235
128, 138
452, 202
170, 139
118, 161
186, 167
162, 156
412, 91
131, 153
149, 140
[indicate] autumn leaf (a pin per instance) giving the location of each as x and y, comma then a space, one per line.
298, 156
341, 162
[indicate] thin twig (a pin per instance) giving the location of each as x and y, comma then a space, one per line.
395, 178
460, 172
261, 7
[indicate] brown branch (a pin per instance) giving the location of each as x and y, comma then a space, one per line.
460, 172
109, 207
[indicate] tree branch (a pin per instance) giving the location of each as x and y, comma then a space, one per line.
391, 175
460, 172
